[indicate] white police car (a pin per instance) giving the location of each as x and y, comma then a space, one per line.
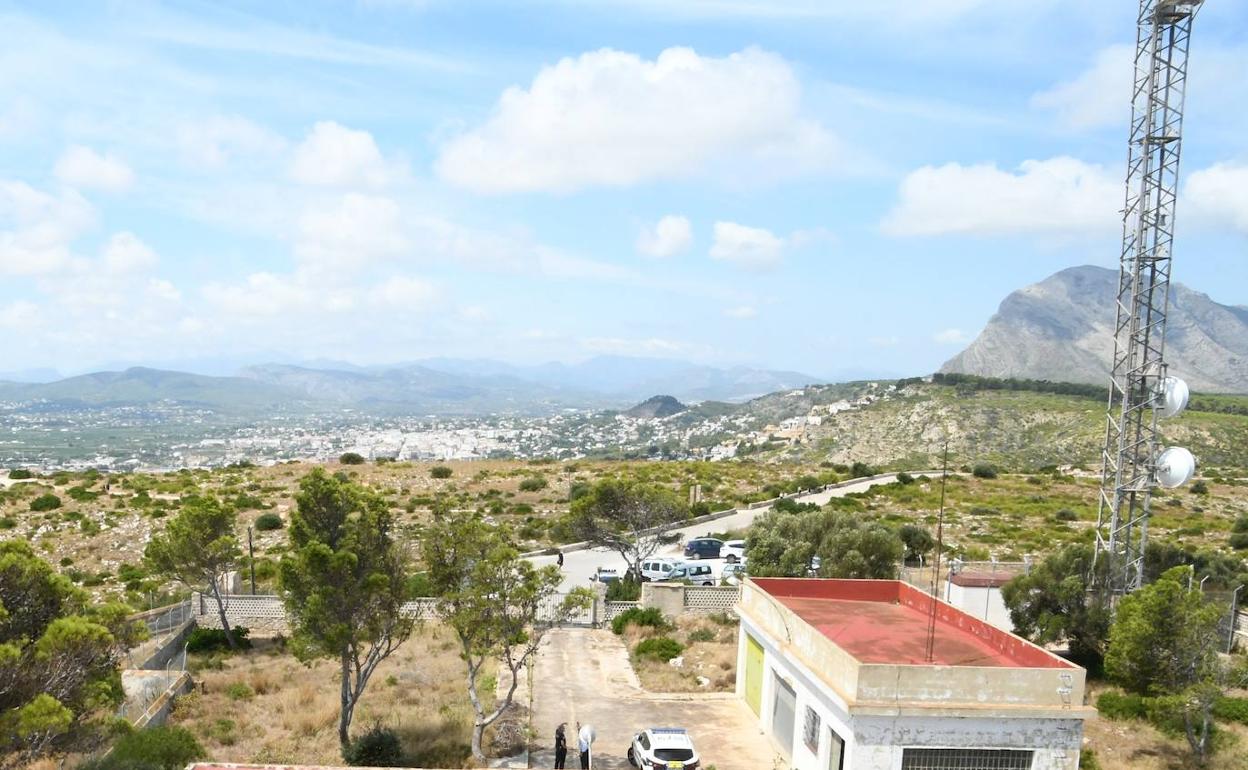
663, 748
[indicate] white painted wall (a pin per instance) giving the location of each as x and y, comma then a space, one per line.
877, 743
983, 603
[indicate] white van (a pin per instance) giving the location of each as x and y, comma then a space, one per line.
658, 568
698, 573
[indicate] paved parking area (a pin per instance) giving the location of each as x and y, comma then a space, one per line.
584, 674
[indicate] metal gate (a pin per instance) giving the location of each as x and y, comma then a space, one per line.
548, 612
966, 759
784, 715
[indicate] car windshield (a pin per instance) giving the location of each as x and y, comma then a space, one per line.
673, 754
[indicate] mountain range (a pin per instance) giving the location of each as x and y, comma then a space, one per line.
441, 386
1061, 329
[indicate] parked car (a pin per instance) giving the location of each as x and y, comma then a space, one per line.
606, 575
733, 551
658, 568
663, 748
698, 574
733, 574
703, 548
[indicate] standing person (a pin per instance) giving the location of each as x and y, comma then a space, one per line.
559, 558
585, 737
561, 746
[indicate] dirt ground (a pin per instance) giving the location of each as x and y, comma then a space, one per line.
584, 675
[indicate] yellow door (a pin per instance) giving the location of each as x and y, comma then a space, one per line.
754, 674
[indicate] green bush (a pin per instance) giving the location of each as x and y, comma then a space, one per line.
239, 691
860, 469
1239, 540
904, 478
650, 617
1066, 515
440, 472
1116, 705
532, 483
984, 471
1230, 709
379, 747
1088, 761
165, 748
7, 522
212, 639
659, 648
45, 502
18, 474
268, 521
351, 458
623, 591
1241, 524
701, 635
1200, 488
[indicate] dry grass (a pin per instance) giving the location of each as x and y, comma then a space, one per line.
265, 706
714, 659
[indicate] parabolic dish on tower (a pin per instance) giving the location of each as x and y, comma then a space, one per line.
1174, 396
1175, 467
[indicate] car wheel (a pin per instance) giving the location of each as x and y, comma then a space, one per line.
696, 556
708, 584
732, 559
631, 759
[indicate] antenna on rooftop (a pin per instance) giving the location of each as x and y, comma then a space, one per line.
940, 539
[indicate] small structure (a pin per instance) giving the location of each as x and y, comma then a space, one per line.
978, 594
840, 676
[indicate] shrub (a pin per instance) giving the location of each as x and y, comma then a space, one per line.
166, 748
701, 635
1230, 709
659, 648
1200, 488
860, 469
239, 691
440, 472
904, 478
1239, 541
650, 617
212, 639
1066, 515
351, 458
1088, 761
1241, 524
45, 502
7, 522
623, 591
20, 473
1116, 705
268, 521
532, 483
984, 471
379, 747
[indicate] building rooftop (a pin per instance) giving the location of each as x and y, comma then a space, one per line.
888, 621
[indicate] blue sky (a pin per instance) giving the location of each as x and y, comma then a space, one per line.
837, 188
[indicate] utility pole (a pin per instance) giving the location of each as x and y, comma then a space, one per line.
251, 558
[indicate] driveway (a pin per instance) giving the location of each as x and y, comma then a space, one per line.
584, 675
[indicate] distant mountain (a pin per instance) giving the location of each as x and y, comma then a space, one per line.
140, 385
1061, 329
656, 407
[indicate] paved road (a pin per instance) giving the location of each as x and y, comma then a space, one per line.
579, 566
583, 674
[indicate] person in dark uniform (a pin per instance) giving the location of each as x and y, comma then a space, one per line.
559, 558
561, 746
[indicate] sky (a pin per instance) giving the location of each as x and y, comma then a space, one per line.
837, 188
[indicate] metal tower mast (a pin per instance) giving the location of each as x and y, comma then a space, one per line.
1129, 469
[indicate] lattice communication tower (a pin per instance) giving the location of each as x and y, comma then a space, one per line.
1140, 392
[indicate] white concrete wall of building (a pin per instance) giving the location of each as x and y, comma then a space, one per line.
983, 603
877, 743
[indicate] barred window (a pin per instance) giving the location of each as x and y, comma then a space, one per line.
810, 730
965, 759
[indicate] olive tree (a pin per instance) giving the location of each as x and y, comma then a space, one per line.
628, 518
498, 604
1054, 602
343, 584
785, 544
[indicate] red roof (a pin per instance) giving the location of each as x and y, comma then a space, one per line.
887, 621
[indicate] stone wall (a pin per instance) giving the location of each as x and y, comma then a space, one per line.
265, 615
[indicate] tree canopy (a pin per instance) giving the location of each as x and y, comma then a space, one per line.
197, 548
59, 657
1054, 603
783, 544
344, 583
498, 605
629, 518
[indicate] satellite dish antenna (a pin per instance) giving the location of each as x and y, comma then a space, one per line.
1175, 467
1174, 396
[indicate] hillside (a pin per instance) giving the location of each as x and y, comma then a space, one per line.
1061, 329
657, 407
139, 385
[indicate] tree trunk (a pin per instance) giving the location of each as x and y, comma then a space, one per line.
347, 707
215, 586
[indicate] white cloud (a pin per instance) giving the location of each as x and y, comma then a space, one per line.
355, 229
267, 295
634, 347
1219, 193
20, 315
1055, 195
1096, 97
41, 228
742, 311
885, 342
125, 253
86, 169
950, 337
749, 247
612, 118
158, 288
214, 141
337, 156
474, 313
669, 236
404, 292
